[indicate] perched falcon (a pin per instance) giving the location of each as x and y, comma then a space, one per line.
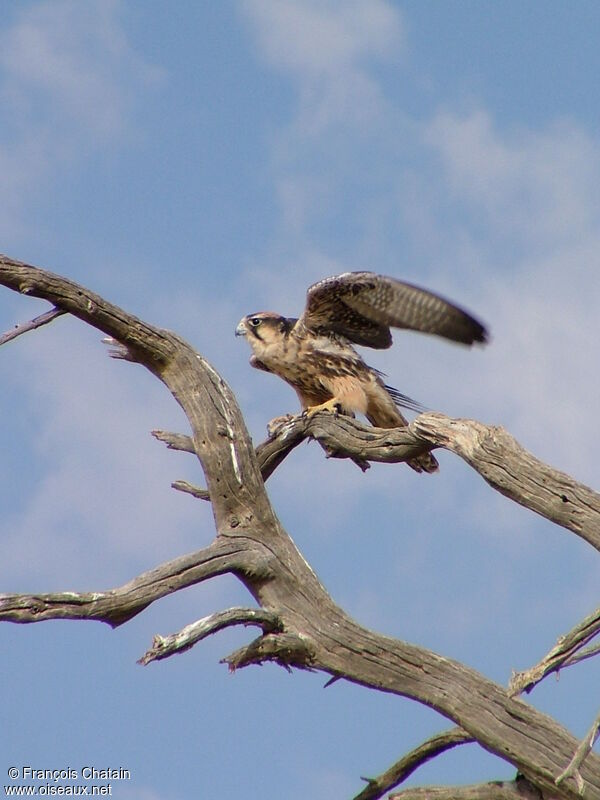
314, 354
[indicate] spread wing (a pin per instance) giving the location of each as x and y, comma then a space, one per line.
362, 306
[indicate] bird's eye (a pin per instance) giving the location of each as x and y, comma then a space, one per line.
254, 321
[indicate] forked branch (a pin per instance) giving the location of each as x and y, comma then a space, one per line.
490, 450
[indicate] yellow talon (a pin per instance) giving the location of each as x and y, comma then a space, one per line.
333, 406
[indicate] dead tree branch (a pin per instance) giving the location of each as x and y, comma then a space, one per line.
573, 769
566, 651
165, 646
400, 771
119, 605
25, 327
188, 488
286, 649
514, 472
251, 544
490, 450
519, 789
176, 441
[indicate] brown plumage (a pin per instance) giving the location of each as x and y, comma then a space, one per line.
314, 354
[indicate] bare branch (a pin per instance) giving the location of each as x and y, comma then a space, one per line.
514, 472
589, 652
117, 606
165, 646
185, 444
519, 789
189, 488
564, 653
585, 748
175, 441
344, 437
401, 770
490, 450
286, 649
269, 454
37, 322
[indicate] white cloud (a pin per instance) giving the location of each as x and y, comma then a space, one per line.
535, 270
333, 150
69, 82
316, 38
72, 62
538, 185
328, 48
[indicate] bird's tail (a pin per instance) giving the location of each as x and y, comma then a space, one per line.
388, 415
424, 463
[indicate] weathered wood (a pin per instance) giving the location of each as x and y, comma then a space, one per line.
516, 473
567, 650
572, 770
119, 605
165, 646
488, 449
519, 789
252, 544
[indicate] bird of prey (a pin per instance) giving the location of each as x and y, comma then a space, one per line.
314, 353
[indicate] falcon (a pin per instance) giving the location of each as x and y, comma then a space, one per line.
315, 353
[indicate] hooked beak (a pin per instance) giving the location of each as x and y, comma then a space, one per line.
241, 329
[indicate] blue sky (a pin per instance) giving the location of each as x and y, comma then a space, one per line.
195, 162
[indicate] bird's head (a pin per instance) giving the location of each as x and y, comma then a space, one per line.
264, 328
